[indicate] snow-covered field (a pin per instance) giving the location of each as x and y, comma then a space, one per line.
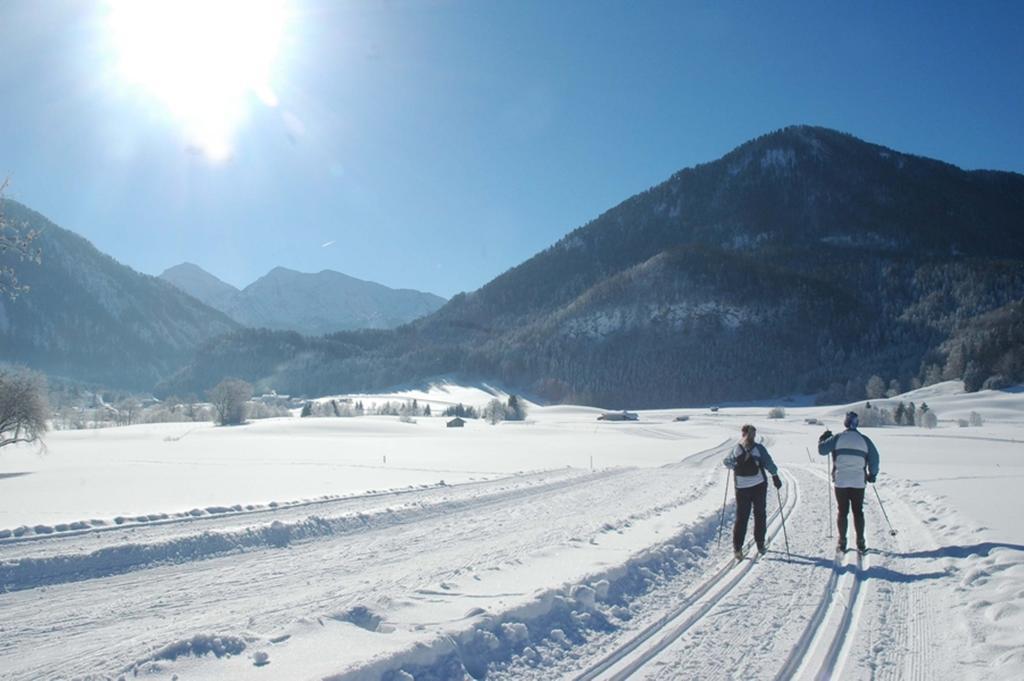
562, 547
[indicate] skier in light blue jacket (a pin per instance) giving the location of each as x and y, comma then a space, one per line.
749, 460
854, 463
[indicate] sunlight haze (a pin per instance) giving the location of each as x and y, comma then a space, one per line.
204, 61
441, 143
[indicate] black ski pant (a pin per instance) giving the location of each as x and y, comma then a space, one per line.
746, 498
847, 497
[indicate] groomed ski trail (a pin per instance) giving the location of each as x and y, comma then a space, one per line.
632, 656
821, 648
786, 610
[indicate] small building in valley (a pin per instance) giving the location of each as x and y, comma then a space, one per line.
618, 416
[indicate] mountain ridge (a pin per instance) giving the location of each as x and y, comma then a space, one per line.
317, 303
89, 318
856, 259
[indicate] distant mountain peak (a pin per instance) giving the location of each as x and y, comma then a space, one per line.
186, 267
191, 269
282, 270
310, 303
200, 284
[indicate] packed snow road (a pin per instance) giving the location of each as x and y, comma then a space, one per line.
380, 553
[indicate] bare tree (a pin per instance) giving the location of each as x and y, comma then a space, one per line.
19, 242
894, 388
929, 419
229, 398
875, 388
494, 412
23, 408
127, 411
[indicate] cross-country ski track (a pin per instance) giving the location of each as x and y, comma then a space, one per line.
564, 573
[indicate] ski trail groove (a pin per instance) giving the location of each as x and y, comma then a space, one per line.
840, 601
803, 644
718, 586
837, 648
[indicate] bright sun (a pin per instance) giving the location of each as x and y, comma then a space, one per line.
204, 60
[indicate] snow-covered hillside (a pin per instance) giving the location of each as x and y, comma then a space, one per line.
559, 547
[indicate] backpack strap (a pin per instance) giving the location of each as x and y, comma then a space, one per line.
760, 466
758, 460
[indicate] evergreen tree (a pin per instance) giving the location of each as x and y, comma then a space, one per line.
974, 376
516, 409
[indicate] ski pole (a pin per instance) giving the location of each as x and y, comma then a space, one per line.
782, 514
828, 493
725, 497
892, 532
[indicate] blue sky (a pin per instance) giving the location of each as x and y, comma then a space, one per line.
439, 143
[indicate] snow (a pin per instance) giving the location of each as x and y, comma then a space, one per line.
439, 396
778, 158
862, 240
674, 315
524, 563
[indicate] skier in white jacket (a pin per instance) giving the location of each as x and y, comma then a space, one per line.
854, 463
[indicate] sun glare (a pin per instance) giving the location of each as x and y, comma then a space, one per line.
205, 61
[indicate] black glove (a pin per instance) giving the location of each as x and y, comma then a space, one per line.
824, 436
871, 478
776, 481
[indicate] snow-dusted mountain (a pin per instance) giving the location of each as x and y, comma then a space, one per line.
803, 261
312, 304
89, 318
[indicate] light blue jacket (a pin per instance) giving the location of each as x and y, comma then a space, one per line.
853, 452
